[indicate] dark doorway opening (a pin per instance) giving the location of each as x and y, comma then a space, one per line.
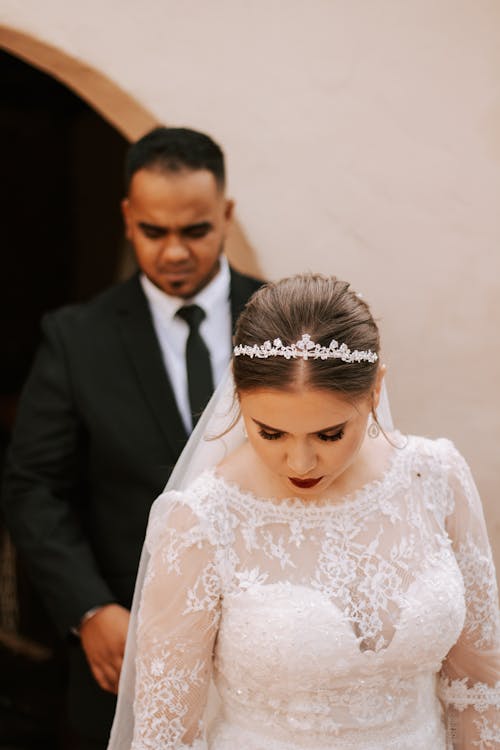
62, 242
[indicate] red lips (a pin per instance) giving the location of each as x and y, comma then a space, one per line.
304, 483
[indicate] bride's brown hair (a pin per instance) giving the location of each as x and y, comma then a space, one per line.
325, 308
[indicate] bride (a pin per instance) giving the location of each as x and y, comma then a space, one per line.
333, 580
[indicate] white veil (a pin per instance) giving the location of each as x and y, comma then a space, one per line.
218, 432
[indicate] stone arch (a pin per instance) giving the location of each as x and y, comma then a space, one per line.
120, 109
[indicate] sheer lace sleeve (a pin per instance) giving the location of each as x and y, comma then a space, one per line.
470, 675
177, 624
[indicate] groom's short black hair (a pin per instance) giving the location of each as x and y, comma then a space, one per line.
174, 150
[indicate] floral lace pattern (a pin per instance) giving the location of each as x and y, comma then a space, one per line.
479, 579
343, 625
481, 696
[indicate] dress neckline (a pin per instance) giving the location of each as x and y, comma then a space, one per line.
369, 491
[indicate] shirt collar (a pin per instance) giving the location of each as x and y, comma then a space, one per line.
213, 294
216, 292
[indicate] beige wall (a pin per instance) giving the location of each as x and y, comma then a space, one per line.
363, 138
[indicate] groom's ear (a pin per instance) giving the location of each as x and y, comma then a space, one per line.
377, 388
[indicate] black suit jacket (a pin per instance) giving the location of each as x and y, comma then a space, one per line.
97, 434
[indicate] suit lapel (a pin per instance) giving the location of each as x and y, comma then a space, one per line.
137, 333
139, 339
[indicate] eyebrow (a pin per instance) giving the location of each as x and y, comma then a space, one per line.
324, 429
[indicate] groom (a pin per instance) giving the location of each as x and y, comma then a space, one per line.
115, 389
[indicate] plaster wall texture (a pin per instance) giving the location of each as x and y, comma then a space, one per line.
363, 139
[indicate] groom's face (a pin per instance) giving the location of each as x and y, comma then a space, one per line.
177, 223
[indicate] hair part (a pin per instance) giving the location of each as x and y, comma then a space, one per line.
324, 307
173, 150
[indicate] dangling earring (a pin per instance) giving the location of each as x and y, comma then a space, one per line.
373, 429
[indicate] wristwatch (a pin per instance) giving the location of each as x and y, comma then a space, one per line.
87, 616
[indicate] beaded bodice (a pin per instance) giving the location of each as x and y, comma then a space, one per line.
368, 624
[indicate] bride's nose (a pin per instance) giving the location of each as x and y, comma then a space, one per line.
301, 459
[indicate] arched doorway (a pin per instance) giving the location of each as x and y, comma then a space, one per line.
62, 230
62, 242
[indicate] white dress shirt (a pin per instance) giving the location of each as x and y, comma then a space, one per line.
173, 332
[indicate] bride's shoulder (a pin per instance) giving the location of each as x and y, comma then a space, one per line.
213, 490
439, 453
196, 511
437, 447
198, 499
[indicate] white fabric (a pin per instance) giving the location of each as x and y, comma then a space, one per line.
172, 332
384, 416
370, 624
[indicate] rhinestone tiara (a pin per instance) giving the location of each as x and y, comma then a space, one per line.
305, 348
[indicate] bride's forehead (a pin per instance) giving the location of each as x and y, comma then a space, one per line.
308, 408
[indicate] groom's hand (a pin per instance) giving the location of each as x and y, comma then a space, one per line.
103, 640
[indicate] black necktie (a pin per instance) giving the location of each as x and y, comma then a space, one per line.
199, 369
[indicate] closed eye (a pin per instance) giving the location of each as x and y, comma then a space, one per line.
269, 435
196, 231
326, 437
152, 232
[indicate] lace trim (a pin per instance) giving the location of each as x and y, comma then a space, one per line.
374, 495
456, 693
369, 498
200, 744
489, 734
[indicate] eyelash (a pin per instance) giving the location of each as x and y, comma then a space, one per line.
321, 436
331, 438
270, 435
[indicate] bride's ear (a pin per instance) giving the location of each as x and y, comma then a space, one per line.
377, 388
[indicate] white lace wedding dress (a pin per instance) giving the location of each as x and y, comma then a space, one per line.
370, 624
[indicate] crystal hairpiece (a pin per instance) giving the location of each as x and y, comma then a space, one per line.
305, 348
